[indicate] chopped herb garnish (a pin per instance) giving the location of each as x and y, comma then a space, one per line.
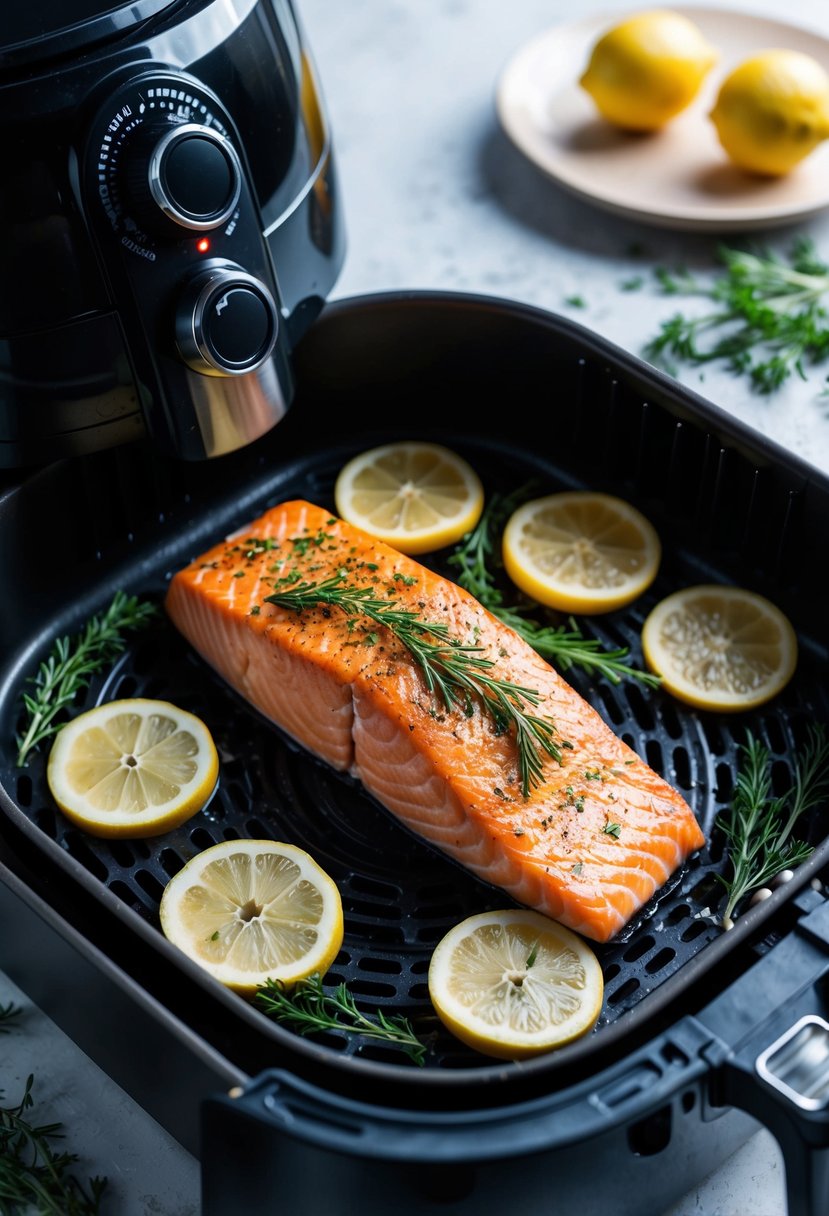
578, 867
575, 301
260, 544
612, 829
408, 580
531, 957
255, 610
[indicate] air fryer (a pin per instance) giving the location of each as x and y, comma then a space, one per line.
170, 223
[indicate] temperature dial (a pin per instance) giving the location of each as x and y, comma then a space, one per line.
226, 323
189, 174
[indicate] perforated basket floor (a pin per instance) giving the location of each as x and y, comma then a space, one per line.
399, 895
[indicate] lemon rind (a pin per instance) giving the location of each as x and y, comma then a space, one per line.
568, 597
246, 983
689, 693
194, 796
504, 1043
418, 541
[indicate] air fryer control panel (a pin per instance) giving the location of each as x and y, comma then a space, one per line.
172, 210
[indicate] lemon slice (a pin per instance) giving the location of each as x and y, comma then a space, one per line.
720, 648
581, 551
132, 768
253, 910
415, 496
514, 984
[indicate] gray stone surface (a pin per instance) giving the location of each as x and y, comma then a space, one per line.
436, 197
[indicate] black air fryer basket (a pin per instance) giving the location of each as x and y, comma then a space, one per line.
698, 1025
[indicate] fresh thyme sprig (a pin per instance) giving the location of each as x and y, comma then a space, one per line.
759, 827
33, 1175
72, 662
308, 1008
564, 645
768, 321
458, 674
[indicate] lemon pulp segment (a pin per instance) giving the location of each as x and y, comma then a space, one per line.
721, 648
249, 910
580, 551
134, 767
415, 496
513, 984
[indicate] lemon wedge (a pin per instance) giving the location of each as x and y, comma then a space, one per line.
647, 69
772, 111
720, 648
254, 910
417, 497
132, 768
513, 984
580, 551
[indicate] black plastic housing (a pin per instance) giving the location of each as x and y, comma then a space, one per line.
653, 1091
77, 372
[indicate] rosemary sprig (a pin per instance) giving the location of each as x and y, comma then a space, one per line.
476, 559
33, 1175
308, 1008
8, 1014
759, 827
768, 319
458, 674
72, 662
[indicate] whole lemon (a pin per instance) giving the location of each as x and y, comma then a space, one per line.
772, 111
647, 69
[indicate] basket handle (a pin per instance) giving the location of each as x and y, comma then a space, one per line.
770, 1052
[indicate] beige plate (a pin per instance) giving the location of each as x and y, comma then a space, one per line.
675, 178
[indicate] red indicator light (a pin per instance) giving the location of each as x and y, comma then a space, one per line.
203, 245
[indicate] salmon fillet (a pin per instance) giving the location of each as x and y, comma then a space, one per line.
588, 845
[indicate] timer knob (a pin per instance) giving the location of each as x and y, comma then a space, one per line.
226, 322
189, 174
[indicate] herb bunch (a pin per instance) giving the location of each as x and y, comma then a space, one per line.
759, 827
72, 662
767, 322
308, 1009
9, 1014
32, 1174
476, 559
458, 674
